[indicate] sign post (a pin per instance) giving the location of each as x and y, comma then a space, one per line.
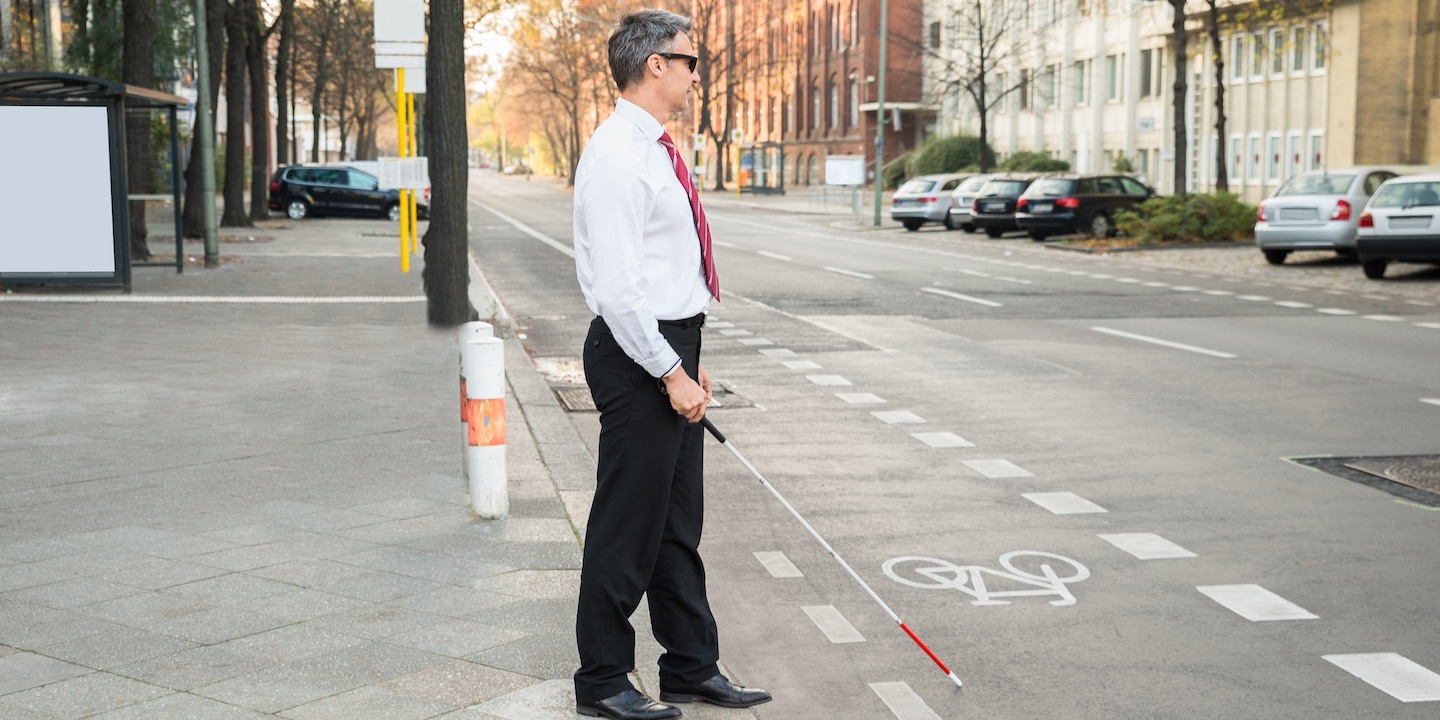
736, 137
400, 44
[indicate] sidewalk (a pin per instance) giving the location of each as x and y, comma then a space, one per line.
238, 493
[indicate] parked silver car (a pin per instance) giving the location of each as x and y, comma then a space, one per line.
1317, 210
960, 201
922, 199
1400, 224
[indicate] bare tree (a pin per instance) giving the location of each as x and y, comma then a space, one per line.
257, 38
1179, 37
138, 69
235, 118
560, 55
284, 51
193, 218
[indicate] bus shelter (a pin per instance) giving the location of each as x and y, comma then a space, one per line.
63, 188
762, 169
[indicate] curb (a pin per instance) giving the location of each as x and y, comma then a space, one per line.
1142, 248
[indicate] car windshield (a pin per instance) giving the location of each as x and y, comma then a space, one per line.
916, 187
1053, 187
1316, 185
1408, 195
1005, 188
971, 185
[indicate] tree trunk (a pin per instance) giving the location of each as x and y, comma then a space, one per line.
282, 89
1182, 82
446, 273
342, 95
317, 96
194, 217
1222, 174
235, 119
256, 57
138, 68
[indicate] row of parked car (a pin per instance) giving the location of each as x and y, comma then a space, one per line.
302, 191
1041, 205
1377, 214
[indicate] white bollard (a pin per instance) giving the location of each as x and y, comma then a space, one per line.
482, 401
469, 331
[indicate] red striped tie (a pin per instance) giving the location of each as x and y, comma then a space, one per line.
702, 226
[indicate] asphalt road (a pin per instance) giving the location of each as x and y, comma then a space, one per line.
1161, 405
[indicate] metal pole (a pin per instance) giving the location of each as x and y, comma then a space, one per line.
175, 191
402, 106
880, 111
207, 138
413, 217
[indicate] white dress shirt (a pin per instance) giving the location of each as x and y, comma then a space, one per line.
637, 253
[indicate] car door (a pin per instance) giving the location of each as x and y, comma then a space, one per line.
1111, 194
1087, 192
946, 192
363, 195
1135, 192
325, 187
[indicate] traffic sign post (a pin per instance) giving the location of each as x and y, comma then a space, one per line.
400, 44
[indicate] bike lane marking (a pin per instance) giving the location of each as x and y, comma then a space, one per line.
778, 565
861, 398
898, 417
958, 296
1163, 343
833, 624
942, 440
1147, 546
1063, 503
832, 380
1391, 673
902, 701
802, 365
997, 468
1432, 401
1255, 603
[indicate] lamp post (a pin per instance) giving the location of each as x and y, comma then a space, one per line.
207, 138
880, 112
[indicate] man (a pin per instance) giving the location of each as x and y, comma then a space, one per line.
642, 256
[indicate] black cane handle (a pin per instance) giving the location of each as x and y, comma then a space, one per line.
713, 430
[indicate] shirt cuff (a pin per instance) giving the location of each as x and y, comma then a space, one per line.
661, 365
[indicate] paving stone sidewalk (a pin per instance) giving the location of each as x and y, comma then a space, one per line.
238, 493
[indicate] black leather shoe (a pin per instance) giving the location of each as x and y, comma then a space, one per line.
716, 691
628, 705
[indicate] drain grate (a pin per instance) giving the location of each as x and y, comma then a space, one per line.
576, 398
1413, 477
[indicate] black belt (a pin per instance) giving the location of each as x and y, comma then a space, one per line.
687, 323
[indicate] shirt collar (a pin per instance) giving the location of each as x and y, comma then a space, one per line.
648, 125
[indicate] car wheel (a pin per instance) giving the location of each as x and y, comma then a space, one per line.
297, 209
1276, 257
913, 225
1037, 235
969, 228
950, 224
392, 212
1100, 225
994, 232
1374, 269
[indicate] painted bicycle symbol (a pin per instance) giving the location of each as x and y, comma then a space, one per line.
1020, 567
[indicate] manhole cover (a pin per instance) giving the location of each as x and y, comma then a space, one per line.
577, 398
1413, 477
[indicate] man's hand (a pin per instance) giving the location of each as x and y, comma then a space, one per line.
706, 385
686, 396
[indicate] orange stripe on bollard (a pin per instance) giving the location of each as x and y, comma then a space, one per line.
485, 421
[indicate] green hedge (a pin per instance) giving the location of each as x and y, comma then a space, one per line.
1194, 218
1027, 161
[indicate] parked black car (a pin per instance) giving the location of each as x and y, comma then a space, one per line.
1069, 204
301, 191
993, 209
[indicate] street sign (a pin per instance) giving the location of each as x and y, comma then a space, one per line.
844, 170
737, 135
699, 140
410, 173
399, 34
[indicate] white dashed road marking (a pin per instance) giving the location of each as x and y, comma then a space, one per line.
1432, 401
1392, 673
849, 273
1166, 343
1384, 318
1147, 546
942, 440
717, 324
828, 380
777, 352
958, 296
801, 365
1252, 298
1063, 503
1335, 311
735, 333
903, 702
860, 398
997, 468
774, 256
1293, 304
778, 565
1428, 325
898, 417
1255, 603
833, 624
754, 341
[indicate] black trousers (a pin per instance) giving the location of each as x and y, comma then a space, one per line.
644, 532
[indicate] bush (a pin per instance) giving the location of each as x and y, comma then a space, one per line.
1027, 161
1122, 165
1195, 218
948, 155
896, 172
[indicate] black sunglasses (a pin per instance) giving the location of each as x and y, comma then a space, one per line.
690, 60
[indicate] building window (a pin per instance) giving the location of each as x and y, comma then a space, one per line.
1144, 169
1213, 161
1024, 89
1146, 72
1319, 47
1079, 71
1297, 50
834, 105
935, 34
1048, 11
1252, 159
1294, 155
1113, 76
1002, 99
1277, 52
854, 101
815, 107
1234, 160
854, 23
1052, 82
1257, 56
1022, 14
1316, 159
1272, 158
790, 117
1237, 59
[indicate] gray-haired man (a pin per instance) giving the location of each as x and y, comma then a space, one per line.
643, 259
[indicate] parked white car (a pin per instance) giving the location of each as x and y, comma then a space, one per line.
1400, 224
961, 199
1317, 210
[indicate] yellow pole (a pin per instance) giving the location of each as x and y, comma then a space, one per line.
737, 171
401, 121
410, 206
